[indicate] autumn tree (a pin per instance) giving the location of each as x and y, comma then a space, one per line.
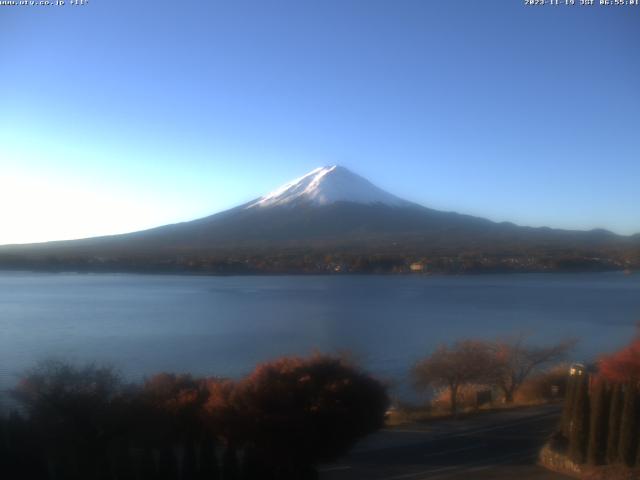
179, 398
622, 367
227, 422
306, 410
74, 411
451, 367
174, 406
515, 360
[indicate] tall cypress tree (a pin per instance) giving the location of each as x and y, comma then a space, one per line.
567, 410
579, 427
615, 415
628, 426
637, 451
208, 460
230, 467
599, 418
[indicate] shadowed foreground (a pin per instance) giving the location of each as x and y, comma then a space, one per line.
277, 423
502, 445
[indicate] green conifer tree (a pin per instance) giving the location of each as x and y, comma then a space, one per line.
599, 417
144, 464
168, 468
628, 426
615, 414
189, 465
567, 410
579, 426
230, 467
208, 460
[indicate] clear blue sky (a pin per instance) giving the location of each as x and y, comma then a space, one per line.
121, 115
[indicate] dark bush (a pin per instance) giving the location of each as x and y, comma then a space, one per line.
304, 411
278, 423
74, 415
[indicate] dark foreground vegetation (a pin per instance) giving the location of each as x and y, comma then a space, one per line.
290, 415
277, 423
600, 429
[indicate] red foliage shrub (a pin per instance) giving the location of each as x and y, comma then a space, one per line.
221, 410
622, 366
169, 406
175, 394
310, 410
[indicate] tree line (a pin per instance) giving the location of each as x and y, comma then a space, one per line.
279, 422
327, 261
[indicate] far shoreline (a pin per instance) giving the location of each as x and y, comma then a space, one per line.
187, 273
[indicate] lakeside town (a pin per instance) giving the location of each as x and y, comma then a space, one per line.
338, 263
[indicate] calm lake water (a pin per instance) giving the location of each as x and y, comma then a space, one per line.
225, 325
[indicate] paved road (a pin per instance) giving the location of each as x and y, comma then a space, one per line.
496, 446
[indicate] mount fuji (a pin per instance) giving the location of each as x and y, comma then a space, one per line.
329, 212
327, 185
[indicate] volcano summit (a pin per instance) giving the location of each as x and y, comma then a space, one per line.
327, 185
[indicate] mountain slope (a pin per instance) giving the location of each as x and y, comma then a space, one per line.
329, 210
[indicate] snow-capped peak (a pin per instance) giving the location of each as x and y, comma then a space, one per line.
326, 185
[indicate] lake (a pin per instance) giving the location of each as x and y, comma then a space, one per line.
224, 325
